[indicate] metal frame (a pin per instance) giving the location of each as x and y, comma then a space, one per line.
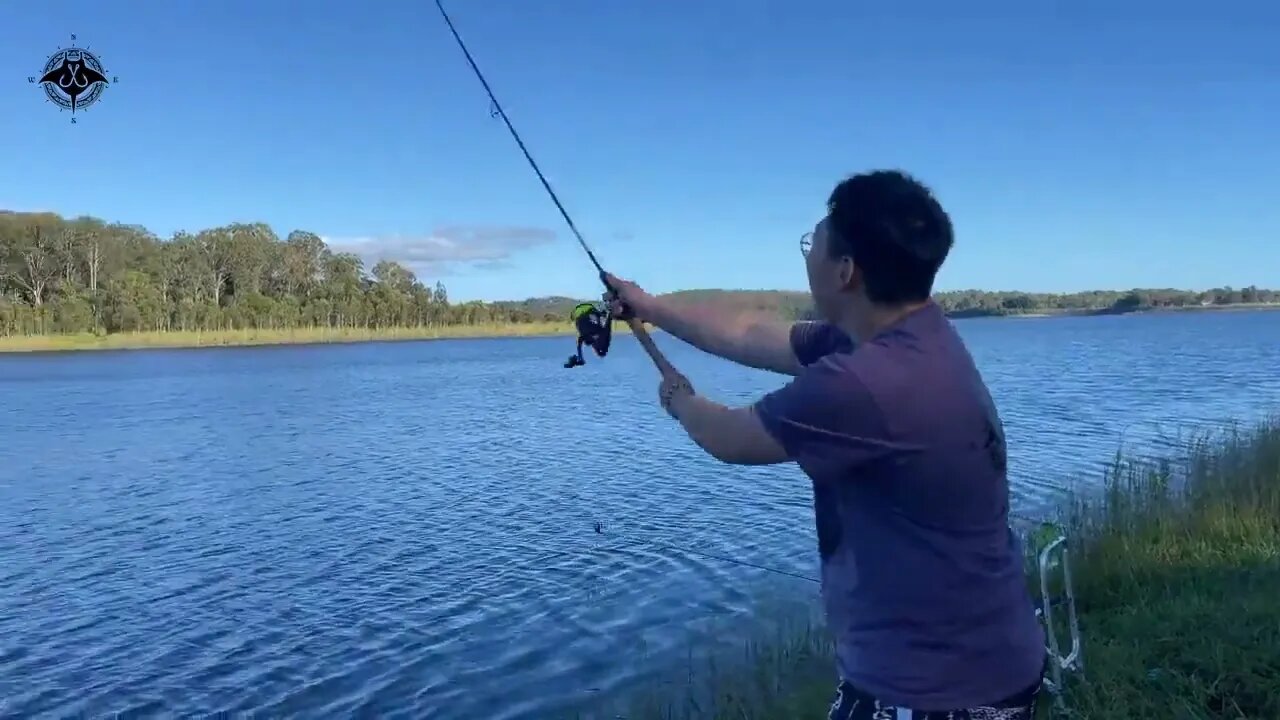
1074, 660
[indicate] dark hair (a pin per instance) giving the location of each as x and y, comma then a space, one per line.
895, 231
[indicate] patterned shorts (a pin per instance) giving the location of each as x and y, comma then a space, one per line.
853, 704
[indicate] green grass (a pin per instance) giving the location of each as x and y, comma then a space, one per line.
227, 338
1176, 571
1179, 584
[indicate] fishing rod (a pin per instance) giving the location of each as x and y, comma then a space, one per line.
594, 324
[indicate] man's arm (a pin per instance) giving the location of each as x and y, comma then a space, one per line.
756, 343
731, 435
825, 419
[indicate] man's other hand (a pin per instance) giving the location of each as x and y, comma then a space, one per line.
670, 388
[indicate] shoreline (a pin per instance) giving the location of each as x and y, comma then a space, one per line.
178, 339
298, 337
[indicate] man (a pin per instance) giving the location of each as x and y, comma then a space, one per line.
922, 579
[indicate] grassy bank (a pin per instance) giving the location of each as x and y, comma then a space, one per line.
298, 336
1176, 569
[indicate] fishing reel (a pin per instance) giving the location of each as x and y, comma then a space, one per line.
594, 324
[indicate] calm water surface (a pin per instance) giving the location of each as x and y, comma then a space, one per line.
408, 527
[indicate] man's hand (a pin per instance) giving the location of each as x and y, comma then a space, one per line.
759, 343
632, 295
672, 390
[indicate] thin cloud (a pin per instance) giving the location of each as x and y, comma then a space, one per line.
440, 253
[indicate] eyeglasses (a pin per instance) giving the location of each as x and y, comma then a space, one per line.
806, 242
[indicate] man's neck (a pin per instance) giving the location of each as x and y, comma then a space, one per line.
878, 319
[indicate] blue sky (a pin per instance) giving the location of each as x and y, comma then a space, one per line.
1077, 145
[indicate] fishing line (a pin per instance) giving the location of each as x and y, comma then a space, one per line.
600, 530
631, 539
592, 324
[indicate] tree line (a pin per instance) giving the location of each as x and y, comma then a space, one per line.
981, 302
82, 274
797, 305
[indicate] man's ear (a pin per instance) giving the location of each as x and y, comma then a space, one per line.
850, 274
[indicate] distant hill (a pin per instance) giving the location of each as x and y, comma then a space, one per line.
553, 307
785, 304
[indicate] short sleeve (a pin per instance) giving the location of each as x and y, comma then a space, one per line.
811, 341
827, 421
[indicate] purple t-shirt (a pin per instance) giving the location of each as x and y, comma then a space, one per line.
922, 579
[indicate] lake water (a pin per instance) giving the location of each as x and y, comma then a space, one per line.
409, 527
